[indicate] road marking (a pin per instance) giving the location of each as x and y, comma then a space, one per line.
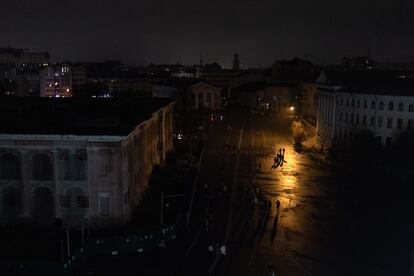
195, 187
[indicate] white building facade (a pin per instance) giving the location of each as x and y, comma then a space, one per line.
204, 95
343, 113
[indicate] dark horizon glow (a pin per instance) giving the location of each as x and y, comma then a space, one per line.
161, 31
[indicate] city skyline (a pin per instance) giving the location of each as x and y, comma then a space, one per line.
163, 32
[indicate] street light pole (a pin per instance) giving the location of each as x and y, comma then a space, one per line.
68, 243
162, 208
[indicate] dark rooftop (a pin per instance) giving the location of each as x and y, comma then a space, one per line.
250, 87
74, 116
370, 82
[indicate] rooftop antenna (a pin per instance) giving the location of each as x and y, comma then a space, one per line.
201, 60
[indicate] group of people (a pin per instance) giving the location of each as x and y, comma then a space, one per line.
279, 159
217, 250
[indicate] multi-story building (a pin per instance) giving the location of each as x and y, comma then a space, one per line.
56, 81
78, 79
21, 59
348, 105
80, 158
22, 68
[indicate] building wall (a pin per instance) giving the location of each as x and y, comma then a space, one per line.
309, 101
325, 124
353, 108
203, 95
279, 97
81, 176
56, 81
343, 115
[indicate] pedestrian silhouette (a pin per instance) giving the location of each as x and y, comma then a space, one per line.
223, 250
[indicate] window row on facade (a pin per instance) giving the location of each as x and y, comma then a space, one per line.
362, 120
373, 104
349, 134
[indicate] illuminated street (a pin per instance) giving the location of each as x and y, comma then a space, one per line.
317, 231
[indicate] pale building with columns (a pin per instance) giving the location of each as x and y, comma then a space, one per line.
72, 159
204, 95
380, 104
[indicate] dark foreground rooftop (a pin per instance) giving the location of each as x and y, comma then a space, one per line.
75, 116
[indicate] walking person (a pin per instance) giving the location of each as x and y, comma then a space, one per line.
270, 271
282, 157
210, 249
223, 250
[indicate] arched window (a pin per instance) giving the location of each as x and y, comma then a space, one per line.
41, 167
9, 167
390, 106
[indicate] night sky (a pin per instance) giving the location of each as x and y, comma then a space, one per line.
163, 31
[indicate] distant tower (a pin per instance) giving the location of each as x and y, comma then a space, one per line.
201, 60
199, 68
236, 63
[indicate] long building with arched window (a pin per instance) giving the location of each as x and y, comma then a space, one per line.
74, 159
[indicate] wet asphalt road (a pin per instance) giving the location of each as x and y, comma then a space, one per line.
324, 225
329, 222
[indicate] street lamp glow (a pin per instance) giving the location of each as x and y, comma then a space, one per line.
292, 108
